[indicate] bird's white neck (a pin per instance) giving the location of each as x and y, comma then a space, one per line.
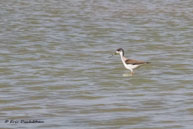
122, 58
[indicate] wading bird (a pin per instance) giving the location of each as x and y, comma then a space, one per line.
129, 64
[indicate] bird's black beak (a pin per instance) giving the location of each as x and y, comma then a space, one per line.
113, 55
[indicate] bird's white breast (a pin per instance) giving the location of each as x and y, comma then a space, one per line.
128, 66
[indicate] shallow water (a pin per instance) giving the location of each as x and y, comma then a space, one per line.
54, 64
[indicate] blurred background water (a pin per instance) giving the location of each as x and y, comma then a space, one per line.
54, 64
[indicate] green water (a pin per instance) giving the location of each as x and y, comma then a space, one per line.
54, 64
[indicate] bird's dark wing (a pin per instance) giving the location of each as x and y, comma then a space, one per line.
135, 62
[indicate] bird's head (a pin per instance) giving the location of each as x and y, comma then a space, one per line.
119, 51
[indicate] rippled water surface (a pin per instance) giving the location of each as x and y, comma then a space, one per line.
54, 64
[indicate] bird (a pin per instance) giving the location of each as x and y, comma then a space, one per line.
129, 64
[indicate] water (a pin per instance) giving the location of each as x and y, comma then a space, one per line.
54, 64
